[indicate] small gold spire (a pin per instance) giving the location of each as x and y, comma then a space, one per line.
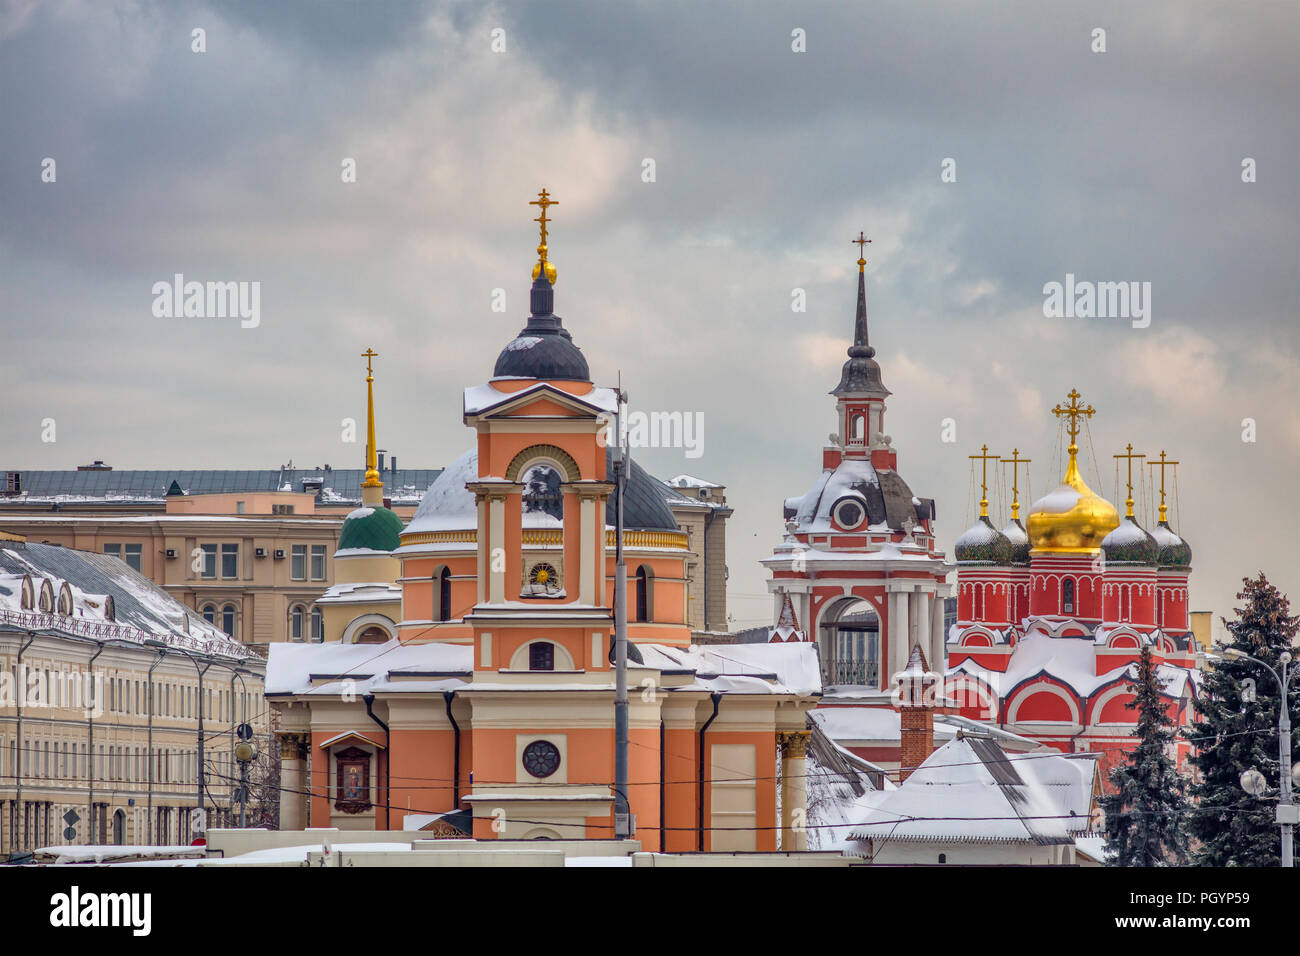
543, 200
861, 241
1128, 502
1016, 461
372, 481
984, 456
1161, 465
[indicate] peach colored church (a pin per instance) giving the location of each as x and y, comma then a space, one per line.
465, 684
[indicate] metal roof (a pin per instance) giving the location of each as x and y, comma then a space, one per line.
340, 483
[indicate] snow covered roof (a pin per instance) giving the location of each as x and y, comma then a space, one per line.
886, 498
133, 486
323, 668
743, 668
690, 481
141, 609
483, 398
972, 791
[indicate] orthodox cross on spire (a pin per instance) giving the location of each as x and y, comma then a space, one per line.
984, 457
1075, 411
544, 201
861, 241
372, 465
1161, 465
1016, 461
1128, 502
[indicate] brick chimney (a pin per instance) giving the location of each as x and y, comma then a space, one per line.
916, 704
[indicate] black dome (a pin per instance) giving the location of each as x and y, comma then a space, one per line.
645, 508
544, 348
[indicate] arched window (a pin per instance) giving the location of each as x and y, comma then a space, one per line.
541, 656
858, 427
542, 493
29, 593
228, 620
1067, 596
317, 625
47, 597
210, 613
444, 595
295, 623
642, 593
372, 635
65, 600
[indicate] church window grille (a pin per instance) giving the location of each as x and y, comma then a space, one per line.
541, 758
541, 656
1067, 596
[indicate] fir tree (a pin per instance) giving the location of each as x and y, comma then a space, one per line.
1145, 813
1235, 730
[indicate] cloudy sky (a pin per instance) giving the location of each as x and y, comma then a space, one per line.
225, 165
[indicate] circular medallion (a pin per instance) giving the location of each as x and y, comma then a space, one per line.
541, 758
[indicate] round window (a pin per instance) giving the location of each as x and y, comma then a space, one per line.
541, 758
849, 513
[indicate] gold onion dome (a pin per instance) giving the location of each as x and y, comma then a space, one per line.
1073, 518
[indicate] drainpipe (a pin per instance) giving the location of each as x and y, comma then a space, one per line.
447, 696
90, 768
717, 699
388, 764
19, 693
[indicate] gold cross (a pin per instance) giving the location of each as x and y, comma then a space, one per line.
984, 478
369, 354
1161, 465
1074, 410
862, 241
545, 201
1016, 461
1130, 456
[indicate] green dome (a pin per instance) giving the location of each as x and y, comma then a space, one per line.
373, 529
981, 543
1174, 551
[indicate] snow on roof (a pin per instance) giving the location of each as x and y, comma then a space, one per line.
1072, 661
743, 668
971, 790
1057, 502
448, 505
290, 667
481, 398
690, 481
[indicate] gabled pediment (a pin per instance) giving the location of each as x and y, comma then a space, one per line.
541, 400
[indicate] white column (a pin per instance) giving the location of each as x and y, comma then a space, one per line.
587, 557
496, 550
938, 639
483, 566
898, 629
923, 623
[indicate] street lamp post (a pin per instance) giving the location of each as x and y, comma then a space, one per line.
1288, 814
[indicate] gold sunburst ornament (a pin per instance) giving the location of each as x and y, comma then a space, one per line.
545, 201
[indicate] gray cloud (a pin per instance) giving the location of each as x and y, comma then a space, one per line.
226, 165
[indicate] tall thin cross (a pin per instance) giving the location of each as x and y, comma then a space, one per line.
862, 242
1130, 456
1016, 461
545, 201
985, 457
369, 354
372, 469
1075, 411
1161, 465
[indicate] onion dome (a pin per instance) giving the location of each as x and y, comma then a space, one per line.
1173, 551
1073, 518
982, 543
371, 529
543, 349
861, 373
1129, 543
1018, 540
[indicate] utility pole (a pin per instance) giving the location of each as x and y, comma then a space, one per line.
622, 817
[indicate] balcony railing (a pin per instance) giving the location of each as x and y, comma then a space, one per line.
850, 671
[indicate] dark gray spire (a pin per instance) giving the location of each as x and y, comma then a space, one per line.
861, 373
544, 348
